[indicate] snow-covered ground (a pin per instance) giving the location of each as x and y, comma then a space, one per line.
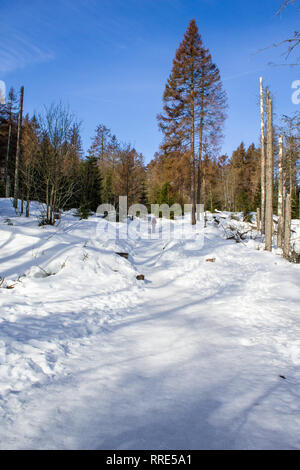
200, 355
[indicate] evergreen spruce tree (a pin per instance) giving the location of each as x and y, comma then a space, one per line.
92, 183
107, 195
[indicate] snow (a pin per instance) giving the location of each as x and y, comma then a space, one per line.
190, 358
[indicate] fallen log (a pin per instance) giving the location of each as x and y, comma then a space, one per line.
123, 255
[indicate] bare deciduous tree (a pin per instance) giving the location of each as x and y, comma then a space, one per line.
17, 163
56, 124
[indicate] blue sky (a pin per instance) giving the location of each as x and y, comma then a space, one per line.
109, 59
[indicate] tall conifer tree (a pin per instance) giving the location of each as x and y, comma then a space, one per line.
194, 104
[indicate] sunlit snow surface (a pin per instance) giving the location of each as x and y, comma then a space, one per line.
190, 358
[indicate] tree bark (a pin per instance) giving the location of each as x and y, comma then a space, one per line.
280, 195
193, 182
200, 153
16, 185
263, 158
287, 226
27, 204
47, 201
258, 219
6, 175
269, 178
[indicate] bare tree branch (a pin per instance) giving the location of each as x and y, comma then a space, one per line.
291, 42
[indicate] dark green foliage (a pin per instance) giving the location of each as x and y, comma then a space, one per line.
295, 205
245, 168
165, 196
257, 198
83, 212
91, 184
107, 195
213, 202
247, 217
242, 201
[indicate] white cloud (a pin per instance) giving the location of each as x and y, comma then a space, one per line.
18, 51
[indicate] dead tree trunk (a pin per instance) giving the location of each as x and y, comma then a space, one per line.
280, 195
27, 205
287, 226
269, 178
263, 158
258, 219
16, 185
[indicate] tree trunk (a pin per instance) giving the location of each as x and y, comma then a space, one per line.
200, 154
198, 188
192, 131
16, 186
280, 195
263, 158
258, 219
51, 204
47, 201
193, 215
287, 226
6, 175
27, 205
269, 178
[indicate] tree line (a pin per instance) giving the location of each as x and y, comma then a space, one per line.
42, 159
42, 156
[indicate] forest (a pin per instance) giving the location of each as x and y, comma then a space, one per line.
149, 227
42, 158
